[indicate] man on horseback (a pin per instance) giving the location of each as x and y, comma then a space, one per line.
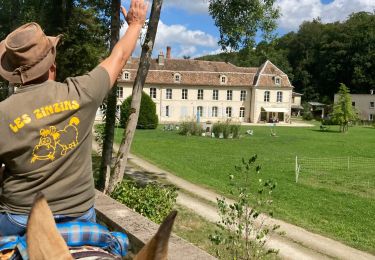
45, 127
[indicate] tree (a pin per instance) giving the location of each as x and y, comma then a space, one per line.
83, 26
315, 57
117, 172
148, 119
343, 111
110, 112
240, 21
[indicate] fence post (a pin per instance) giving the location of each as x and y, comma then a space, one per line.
297, 173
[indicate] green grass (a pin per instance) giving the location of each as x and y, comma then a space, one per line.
337, 203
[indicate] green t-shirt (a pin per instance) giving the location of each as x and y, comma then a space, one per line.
45, 143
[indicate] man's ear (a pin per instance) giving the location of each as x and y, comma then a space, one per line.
44, 241
52, 72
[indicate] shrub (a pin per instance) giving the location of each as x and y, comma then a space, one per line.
153, 201
328, 121
308, 116
218, 128
99, 130
226, 128
235, 130
190, 128
148, 119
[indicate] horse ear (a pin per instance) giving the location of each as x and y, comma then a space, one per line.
157, 247
44, 241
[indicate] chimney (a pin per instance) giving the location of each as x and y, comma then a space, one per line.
169, 48
161, 58
371, 91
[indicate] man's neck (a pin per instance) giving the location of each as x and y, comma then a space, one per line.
42, 79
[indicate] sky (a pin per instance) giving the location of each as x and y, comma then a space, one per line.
187, 27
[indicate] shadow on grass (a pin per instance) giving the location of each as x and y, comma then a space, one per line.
142, 176
326, 131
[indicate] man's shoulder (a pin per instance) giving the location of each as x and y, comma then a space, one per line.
95, 83
98, 73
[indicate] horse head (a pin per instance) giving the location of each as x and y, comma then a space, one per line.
45, 242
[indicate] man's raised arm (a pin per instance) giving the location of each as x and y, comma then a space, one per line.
125, 46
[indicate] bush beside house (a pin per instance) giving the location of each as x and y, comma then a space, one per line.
148, 119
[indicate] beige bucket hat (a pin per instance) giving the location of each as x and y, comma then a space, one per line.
26, 54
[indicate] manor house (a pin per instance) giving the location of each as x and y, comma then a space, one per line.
185, 89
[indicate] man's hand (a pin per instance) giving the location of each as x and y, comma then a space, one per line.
125, 46
137, 12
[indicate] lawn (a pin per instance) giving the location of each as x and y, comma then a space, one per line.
330, 200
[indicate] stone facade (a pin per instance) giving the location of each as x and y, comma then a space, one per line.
364, 104
212, 91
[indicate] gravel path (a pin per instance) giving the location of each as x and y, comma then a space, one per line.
297, 243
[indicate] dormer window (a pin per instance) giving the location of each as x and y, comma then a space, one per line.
277, 81
177, 77
223, 79
126, 75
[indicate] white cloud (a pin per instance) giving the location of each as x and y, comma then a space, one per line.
192, 6
182, 40
294, 12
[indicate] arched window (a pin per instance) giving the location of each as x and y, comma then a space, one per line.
277, 80
177, 77
126, 75
223, 79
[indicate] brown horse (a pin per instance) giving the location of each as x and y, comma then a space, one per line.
45, 242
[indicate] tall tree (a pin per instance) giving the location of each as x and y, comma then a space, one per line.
144, 65
319, 55
343, 111
240, 20
110, 119
82, 24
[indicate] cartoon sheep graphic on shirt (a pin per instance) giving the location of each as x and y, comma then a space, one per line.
50, 139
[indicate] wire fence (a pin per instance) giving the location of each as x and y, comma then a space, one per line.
332, 164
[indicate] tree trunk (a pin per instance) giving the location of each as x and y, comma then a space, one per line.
111, 103
144, 65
